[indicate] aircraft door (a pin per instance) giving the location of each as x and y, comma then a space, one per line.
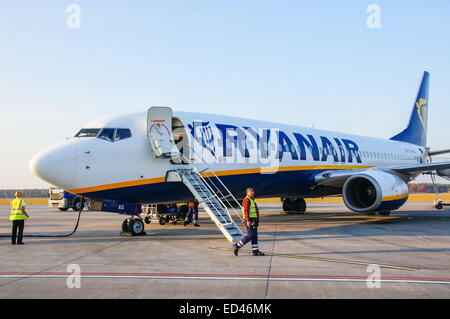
159, 132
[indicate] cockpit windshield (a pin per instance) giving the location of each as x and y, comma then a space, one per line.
107, 134
88, 132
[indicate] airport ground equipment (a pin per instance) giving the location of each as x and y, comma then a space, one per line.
63, 200
157, 212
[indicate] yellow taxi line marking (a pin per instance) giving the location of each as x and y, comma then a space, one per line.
325, 259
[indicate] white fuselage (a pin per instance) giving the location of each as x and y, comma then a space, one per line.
279, 159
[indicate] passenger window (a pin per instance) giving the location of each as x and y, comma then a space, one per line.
122, 133
107, 134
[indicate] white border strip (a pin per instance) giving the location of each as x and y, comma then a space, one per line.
404, 281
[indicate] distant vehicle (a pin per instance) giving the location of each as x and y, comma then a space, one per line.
63, 200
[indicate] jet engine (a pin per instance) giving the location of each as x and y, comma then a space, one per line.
374, 191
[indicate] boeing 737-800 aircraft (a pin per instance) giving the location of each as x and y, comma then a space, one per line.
160, 156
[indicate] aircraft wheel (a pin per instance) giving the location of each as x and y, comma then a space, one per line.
63, 209
147, 220
301, 204
295, 205
439, 206
126, 225
137, 226
286, 204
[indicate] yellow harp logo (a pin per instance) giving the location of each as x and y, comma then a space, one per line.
421, 105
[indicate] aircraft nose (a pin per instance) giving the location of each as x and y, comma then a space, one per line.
55, 165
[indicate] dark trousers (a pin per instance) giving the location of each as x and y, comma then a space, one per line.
252, 235
182, 211
17, 231
192, 213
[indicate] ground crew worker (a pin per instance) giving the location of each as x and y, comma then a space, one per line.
18, 216
192, 213
251, 219
182, 211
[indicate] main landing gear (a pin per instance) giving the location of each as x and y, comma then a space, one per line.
294, 205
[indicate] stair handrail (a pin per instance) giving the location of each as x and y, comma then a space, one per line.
237, 213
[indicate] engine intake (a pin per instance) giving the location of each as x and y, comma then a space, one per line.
374, 190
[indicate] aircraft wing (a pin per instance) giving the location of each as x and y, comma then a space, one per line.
337, 178
422, 168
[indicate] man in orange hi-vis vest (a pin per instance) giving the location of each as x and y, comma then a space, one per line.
251, 219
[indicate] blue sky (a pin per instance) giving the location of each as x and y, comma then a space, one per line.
303, 63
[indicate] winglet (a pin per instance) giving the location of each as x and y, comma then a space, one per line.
416, 131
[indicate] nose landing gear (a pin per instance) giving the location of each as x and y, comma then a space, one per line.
133, 227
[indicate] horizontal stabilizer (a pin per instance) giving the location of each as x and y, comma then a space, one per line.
440, 152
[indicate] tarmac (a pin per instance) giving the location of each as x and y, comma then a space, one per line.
328, 252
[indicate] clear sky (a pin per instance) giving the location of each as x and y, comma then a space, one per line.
296, 62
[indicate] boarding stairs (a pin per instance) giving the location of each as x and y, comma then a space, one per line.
205, 185
214, 198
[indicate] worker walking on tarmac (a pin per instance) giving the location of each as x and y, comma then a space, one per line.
192, 213
251, 220
18, 216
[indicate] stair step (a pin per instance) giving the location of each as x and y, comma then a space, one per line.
211, 203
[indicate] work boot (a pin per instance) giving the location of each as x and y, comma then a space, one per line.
186, 223
258, 253
197, 225
235, 249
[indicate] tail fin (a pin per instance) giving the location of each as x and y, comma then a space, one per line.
416, 132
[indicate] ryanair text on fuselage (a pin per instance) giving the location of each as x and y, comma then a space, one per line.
225, 141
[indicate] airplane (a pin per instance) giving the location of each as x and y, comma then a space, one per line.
162, 156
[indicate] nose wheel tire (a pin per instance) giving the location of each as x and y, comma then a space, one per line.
133, 226
125, 226
137, 226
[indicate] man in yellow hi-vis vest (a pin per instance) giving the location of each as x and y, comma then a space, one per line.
251, 219
18, 216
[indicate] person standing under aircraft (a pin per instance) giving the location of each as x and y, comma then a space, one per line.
182, 209
192, 213
251, 220
18, 216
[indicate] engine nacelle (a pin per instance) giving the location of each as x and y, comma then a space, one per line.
373, 190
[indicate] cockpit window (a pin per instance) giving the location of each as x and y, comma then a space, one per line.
88, 132
107, 134
122, 133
